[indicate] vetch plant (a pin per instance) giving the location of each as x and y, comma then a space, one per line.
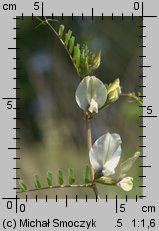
92, 96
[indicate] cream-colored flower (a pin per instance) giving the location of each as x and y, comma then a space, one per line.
91, 94
126, 183
114, 90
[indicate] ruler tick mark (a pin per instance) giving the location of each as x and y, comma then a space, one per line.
144, 166
13, 148
92, 14
132, 16
148, 116
116, 204
42, 8
144, 66
66, 201
136, 198
142, 196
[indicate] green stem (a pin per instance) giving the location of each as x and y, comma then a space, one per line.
89, 144
46, 21
57, 187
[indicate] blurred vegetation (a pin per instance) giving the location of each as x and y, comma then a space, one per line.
53, 134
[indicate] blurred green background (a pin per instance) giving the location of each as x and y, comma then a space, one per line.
53, 132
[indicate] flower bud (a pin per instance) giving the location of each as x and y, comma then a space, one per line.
126, 183
96, 60
114, 90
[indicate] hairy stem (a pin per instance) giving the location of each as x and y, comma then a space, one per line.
89, 144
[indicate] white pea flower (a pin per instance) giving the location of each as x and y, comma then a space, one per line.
105, 154
91, 94
126, 183
104, 157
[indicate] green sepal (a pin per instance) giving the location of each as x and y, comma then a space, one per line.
106, 180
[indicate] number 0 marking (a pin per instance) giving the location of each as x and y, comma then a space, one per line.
136, 5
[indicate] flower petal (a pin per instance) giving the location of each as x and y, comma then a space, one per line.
93, 106
126, 183
91, 88
127, 165
105, 154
